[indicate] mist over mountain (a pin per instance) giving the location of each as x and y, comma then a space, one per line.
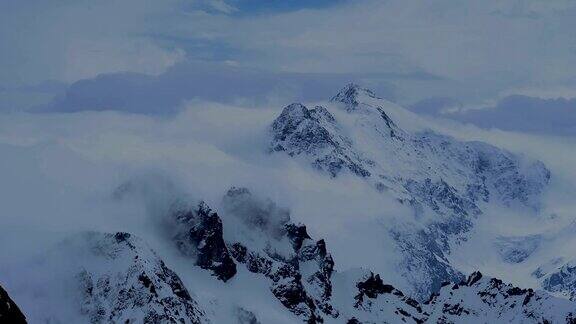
522, 113
353, 210
256, 162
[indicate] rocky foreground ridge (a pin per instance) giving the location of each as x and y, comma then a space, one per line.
121, 279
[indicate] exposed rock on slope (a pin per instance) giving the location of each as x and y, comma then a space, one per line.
299, 269
123, 281
376, 302
120, 279
9, 311
478, 299
559, 277
489, 300
314, 132
195, 229
200, 235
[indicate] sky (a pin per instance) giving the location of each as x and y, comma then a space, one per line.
61, 54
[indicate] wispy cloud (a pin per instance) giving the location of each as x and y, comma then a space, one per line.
552, 114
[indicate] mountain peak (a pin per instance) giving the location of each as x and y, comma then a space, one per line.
296, 110
351, 95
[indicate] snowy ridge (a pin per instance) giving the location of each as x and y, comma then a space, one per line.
369, 143
559, 278
131, 284
490, 300
299, 130
120, 279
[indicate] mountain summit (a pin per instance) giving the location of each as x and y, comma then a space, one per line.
351, 96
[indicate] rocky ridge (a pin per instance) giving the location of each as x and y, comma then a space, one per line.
120, 279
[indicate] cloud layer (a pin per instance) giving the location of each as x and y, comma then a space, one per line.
553, 116
470, 51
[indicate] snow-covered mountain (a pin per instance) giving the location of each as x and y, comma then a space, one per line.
446, 181
120, 279
128, 283
558, 277
480, 299
243, 258
107, 278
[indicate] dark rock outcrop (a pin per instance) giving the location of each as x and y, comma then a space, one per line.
201, 236
299, 269
371, 288
9, 311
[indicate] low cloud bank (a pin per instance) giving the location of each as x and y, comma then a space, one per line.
166, 93
551, 116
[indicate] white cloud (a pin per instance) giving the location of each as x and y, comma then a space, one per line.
88, 58
543, 92
60, 164
479, 49
550, 113
73, 40
468, 42
221, 6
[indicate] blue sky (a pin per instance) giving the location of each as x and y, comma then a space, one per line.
473, 52
259, 7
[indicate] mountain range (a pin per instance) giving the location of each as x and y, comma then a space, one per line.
245, 260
